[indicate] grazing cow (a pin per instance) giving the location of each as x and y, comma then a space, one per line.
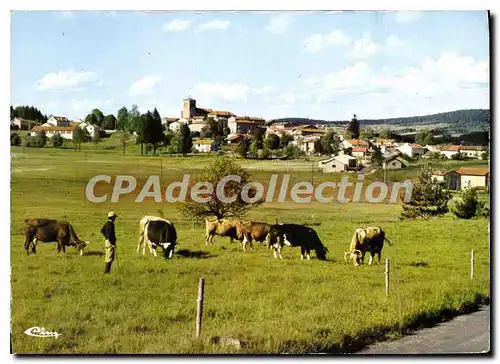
228, 228
369, 239
253, 230
142, 240
48, 230
161, 233
295, 235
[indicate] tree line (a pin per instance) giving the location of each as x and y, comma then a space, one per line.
28, 113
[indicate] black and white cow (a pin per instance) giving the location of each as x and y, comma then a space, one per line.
161, 233
295, 235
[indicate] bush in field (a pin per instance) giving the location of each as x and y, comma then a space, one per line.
469, 206
57, 141
15, 139
428, 198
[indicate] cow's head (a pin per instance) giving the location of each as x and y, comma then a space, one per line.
81, 245
356, 257
168, 249
272, 237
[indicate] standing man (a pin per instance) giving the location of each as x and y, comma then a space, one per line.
108, 230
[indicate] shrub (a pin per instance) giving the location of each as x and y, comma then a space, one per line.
469, 206
428, 198
57, 141
15, 139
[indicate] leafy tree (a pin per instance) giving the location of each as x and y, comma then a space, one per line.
109, 122
285, 140
425, 137
330, 143
272, 142
386, 133
122, 119
57, 141
96, 140
258, 139
485, 156
124, 138
41, 139
142, 129
243, 147
213, 174
185, 140
91, 119
377, 157
133, 119
15, 139
468, 206
99, 117
428, 198
12, 113
353, 127
366, 133
81, 135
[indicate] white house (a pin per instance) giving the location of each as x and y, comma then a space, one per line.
472, 151
351, 143
449, 150
339, 163
176, 125
464, 177
244, 124
359, 152
411, 150
203, 145
197, 126
305, 144
67, 132
93, 130
58, 121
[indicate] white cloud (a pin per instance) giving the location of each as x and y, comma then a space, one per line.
364, 48
226, 91
263, 90
393, 41
144, 86
448, 82
214, 24
318, 42
66, 80
177, 25
334, 12
408, 16
279, 24
83, 107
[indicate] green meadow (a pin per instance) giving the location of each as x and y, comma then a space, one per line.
148, 304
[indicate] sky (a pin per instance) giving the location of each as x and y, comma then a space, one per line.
322, 65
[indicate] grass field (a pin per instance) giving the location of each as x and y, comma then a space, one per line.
148, 305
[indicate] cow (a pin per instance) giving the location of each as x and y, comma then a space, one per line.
48, 230
227, 228
253, 230
142, 240
295, 235
161, 233
369, 239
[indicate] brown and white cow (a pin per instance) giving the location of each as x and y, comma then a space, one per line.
369, 239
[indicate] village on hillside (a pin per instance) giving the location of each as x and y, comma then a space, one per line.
344, 152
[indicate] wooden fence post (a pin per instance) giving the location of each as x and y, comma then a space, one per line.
387, 277
472, 264
199, 311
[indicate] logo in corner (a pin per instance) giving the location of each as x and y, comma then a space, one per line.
40, 332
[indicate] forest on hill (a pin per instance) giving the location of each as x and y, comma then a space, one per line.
466, 119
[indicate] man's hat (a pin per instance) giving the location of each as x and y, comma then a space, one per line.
112, 214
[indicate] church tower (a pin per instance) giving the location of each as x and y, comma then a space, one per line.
189, 109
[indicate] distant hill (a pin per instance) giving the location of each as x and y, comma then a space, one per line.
459, 119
